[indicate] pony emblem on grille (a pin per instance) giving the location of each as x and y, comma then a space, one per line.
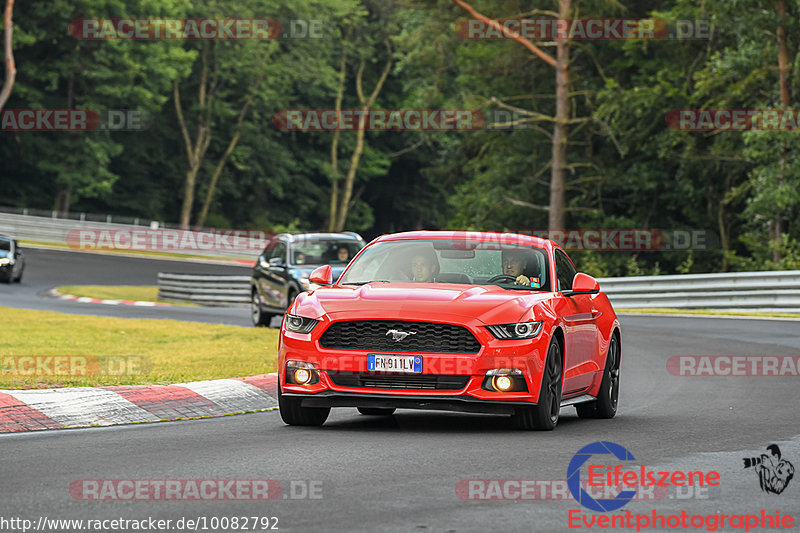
398, 335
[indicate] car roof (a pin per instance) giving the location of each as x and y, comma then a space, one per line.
344, 236
516, 238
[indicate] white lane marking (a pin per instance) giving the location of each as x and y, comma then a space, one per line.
231, 394
83, 407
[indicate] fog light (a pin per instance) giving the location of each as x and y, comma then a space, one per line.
502, 383
302, 376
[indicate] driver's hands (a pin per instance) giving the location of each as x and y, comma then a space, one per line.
522, 280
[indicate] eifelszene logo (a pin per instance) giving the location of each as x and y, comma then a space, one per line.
774, 473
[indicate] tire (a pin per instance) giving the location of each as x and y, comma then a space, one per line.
605, 406
295, 414
19, 278
544, 416
259, 317
377, 411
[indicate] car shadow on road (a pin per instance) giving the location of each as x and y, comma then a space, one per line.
430, 422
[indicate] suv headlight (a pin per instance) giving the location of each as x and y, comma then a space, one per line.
300, 324
5, 261
520, 330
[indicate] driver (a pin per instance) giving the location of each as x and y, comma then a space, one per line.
514, 264
424, 265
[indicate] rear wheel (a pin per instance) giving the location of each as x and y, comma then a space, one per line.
605, 406
294, 414
259, 317
377, 411
544, 416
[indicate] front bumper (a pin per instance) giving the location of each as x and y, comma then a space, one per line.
464, 403
526, 355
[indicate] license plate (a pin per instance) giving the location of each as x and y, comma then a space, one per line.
378, 362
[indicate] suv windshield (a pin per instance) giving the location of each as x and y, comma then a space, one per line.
445, 261
323, 251
5, 245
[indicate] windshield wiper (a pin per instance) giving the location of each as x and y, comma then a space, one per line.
365, 282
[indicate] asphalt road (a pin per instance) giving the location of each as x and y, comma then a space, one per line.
49, 268
401, 473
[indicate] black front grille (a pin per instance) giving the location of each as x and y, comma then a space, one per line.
394, 381
423, 337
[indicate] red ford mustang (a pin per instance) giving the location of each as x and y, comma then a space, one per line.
460, 321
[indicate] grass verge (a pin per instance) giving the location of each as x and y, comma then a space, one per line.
120, 351
139, 253
663, 311
140, 293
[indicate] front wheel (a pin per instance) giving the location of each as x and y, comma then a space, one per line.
605, 406
294, 414
259, 317
544, 416
377, 411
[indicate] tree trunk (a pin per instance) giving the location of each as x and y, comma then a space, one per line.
557, 175
197, 149
783, 71
332, 216
228, 151
11, 69
366, 104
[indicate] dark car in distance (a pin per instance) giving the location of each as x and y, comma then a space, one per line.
281, 271
12, 261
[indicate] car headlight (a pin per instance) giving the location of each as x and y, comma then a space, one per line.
5, 261
300, 324
520, 330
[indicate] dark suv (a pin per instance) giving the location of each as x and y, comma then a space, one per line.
282, 269
12, 262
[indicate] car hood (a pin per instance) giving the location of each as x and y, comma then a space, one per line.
419, 301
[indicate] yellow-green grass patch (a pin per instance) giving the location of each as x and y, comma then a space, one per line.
118, 351
141, 293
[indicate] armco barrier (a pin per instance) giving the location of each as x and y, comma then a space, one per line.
226, 291
55, 230
745, 291
742, 291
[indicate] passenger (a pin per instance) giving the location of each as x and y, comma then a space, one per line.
343, 254
424, 266
514, 264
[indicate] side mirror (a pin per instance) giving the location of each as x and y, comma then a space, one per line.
321, 275
276, 261
583, 284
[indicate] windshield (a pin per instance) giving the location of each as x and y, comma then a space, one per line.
445, 261
5, 245
323, 252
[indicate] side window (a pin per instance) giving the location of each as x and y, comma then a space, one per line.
565, 272
279, 251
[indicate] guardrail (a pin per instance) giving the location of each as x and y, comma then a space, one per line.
739, 291
736, 291
55, 230
225, 291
